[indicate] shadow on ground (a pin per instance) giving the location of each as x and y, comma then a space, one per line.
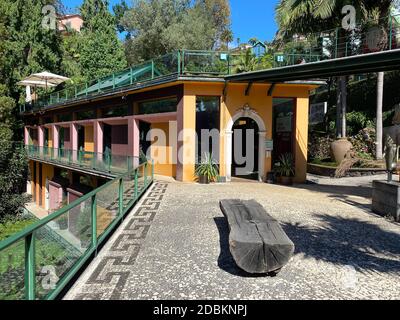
342, 241
364, 191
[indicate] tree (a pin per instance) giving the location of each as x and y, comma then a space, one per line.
13, 161
307, 16
100, 51
158, 27
25, 47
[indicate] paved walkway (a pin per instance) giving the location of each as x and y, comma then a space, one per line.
175, 246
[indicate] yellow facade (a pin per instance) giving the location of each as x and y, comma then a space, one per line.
89, 138
39, 185
261, 104
163, 150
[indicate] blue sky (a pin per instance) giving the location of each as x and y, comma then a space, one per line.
250, 18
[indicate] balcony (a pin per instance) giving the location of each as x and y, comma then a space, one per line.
103, 163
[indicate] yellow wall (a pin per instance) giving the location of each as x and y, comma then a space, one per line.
89, 138
50, 137
164, 168
47, 173
186, 120
261, 103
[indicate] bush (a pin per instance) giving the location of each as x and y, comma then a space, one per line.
357, 121
319, 147
364, 143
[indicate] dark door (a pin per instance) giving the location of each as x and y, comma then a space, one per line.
245, 165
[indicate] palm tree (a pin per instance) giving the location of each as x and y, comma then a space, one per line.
308, 16
246, 62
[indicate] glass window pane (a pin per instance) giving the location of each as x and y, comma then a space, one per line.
283, 126
158, 106
207, 126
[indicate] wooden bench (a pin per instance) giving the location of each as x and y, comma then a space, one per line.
257, 242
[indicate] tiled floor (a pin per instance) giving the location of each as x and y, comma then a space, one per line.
175, 246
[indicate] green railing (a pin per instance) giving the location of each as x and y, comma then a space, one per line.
368, 37
34, 266
102, 162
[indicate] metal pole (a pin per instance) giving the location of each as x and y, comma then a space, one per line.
30, 267
136, 184
94, 221
121, 196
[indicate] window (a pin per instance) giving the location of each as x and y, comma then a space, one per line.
207, 126
111, 112
85, 115
65, 117
283, 115
158, 106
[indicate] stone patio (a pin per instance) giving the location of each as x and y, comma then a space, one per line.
175, 246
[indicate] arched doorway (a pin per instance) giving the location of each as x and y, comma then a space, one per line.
245, 149
245, 112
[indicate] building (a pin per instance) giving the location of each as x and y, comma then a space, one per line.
81, 136
69, 22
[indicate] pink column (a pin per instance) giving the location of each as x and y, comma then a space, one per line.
56, 139
26, 135
98, 136
133, 137
73, 131
41, 136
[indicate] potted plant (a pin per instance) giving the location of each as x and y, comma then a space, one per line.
207, 171
285, 169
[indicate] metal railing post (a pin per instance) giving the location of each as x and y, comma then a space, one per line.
183, 62
131, 76
390, 32
145, 174
113, 81
30, 267
94, 220
136, 184
152, 69
121, 196
179, 62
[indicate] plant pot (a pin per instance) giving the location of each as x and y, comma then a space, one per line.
286, 181
339, 149
271, 178
203, 180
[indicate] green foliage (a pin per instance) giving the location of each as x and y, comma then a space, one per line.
100, 50
27, 46
208, 168
247, 62
12, 226
357, 121
13, 163
361, 97
161, 26
285, 167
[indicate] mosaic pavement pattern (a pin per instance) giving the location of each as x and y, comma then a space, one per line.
176, 246
112, 270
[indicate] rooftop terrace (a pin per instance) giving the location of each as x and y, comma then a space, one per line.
311, 50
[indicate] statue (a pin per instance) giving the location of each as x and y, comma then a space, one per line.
390, 156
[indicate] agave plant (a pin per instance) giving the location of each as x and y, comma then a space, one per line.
207, 168
286, 165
